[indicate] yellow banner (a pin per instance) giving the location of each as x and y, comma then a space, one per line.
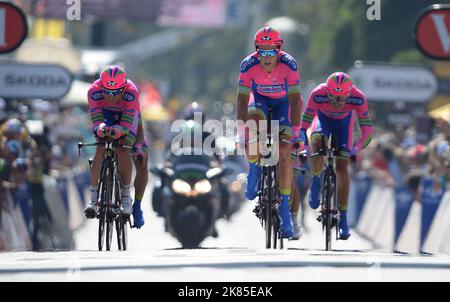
442, 69
48, 28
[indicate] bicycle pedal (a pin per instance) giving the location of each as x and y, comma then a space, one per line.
319, 218
256, 209
90, 214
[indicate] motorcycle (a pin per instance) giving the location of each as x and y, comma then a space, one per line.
188, 196
235, 182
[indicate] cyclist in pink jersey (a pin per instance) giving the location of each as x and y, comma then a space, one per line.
333, 103
271, 76
114, 109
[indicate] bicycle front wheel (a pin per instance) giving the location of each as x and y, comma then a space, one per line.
328, 216
267, 198
109, 232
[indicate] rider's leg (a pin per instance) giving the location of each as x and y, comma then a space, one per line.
91, 207
317, 163
285, 168
344, 140
255, 114
124, 169
140, 183
343, 179
343, 182
285, 164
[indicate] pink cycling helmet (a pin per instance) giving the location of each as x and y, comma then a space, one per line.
268, 36
113, 77
339, 84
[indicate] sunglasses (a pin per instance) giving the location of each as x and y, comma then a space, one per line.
112, 92
265, 52
338, 98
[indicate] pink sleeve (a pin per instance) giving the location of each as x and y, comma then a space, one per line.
130, 115
95, 109
245, 79
309, 113
292, 77
366, 125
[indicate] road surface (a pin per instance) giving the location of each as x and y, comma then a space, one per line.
238, 254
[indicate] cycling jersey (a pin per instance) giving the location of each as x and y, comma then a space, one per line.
124, 113
339, 120
277, 84
270, 90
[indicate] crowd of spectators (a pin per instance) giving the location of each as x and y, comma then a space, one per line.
395, 156
36, 139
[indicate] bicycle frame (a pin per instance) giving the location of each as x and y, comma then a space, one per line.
109, 188
329, 214
269, 199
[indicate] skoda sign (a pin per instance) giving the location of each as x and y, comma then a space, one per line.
395, 82
43, 81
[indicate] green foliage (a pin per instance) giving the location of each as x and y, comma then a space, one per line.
207, 68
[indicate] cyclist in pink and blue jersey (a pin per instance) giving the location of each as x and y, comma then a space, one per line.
271, 76
114, 109
333, 103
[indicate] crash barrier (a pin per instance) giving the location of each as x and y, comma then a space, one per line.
391, 218
44, 216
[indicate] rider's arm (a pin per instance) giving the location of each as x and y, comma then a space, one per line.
308, 116
245, 84
130, 115
242, 108
293, 89
95, 110
295, 102
365, 123
140, 131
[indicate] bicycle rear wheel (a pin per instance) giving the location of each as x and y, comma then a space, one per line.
275, 230
118, 220
118, 223
276, 214
124, 229
101, 229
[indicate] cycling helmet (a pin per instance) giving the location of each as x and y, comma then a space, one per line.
339, 84
268, 36
13, 126
113, 77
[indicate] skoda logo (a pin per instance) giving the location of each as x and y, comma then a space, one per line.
266, 38
337, 89
111, 83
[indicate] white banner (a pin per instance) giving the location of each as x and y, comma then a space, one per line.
395, 83
43, 81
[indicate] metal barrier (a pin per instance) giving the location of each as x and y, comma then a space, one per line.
43, 216
393, 221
